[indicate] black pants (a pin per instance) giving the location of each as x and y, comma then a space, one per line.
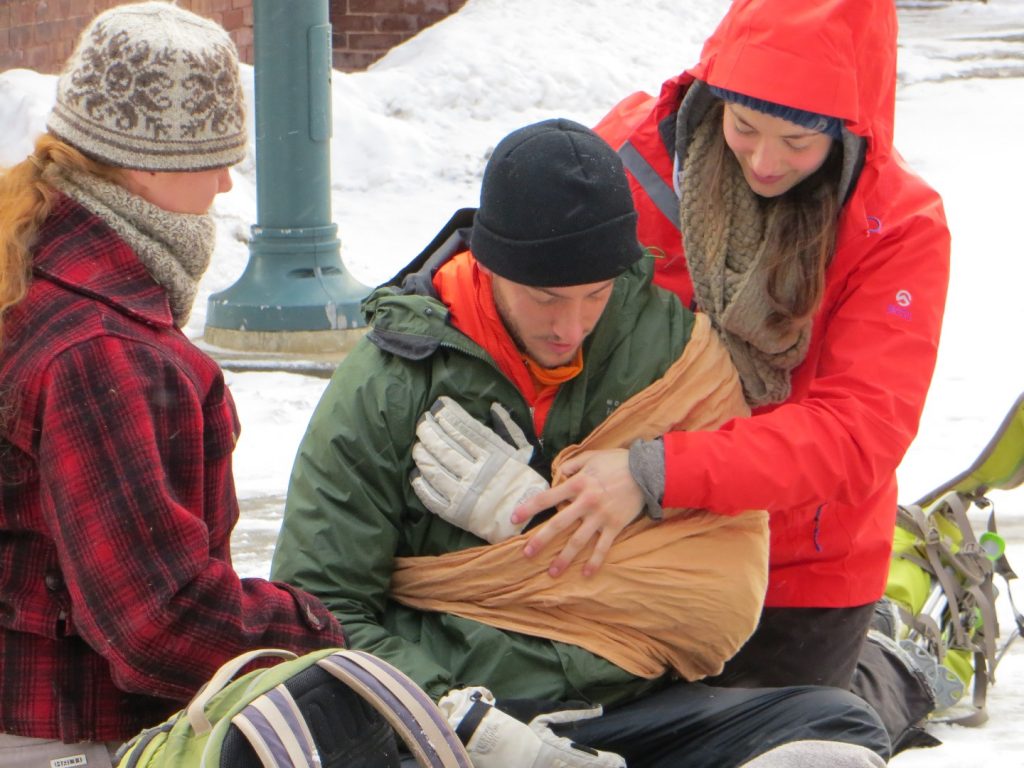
800, 646
692, 725
826, 646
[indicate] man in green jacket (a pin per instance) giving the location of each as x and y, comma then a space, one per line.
544, 306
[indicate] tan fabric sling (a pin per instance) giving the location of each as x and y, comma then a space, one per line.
683, 594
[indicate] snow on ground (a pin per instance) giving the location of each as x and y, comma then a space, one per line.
412, 134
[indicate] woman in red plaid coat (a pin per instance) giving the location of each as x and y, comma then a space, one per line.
118, 599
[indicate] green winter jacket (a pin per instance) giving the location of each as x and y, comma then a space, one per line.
351, 510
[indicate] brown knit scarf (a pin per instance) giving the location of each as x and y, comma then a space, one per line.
726, 250
175, 248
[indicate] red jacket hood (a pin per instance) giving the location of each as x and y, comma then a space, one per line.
833, 57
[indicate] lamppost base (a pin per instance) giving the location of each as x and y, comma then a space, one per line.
311, 353
331, 344
294, 296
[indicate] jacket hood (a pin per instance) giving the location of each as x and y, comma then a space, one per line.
833, 57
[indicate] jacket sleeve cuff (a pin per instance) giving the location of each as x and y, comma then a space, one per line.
647, 466
315, 615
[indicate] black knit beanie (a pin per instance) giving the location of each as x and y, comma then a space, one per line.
555, 208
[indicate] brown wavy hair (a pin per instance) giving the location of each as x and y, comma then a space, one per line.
25, 201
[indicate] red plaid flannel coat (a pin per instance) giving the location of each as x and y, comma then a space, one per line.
117, 595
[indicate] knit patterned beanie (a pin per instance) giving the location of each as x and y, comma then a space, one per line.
830, 126
555, 208
152, 87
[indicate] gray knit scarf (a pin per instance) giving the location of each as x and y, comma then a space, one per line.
175, 248
725, 252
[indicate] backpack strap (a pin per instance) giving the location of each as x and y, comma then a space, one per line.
277, 731
403, 704
965, 586
138, 743
936, 554
196, 710
662, 195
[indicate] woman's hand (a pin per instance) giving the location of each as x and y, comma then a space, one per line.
602, 499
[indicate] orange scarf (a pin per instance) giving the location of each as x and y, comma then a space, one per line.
466, 290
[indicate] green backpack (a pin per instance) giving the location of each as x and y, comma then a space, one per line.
942, 576
327, 709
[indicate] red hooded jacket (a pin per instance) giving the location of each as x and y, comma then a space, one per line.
823, 462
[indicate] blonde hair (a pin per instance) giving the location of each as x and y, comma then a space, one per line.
26, 199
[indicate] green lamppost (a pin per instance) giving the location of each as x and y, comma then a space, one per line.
294, 295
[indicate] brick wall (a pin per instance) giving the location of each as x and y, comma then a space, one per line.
364, 30
40, 34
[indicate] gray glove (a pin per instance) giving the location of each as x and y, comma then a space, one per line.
495, 739
469, 475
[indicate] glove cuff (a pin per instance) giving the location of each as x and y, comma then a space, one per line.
647, 466
477, 711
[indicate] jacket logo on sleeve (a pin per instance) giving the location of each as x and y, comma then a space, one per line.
901, 305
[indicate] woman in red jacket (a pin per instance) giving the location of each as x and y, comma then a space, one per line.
766, 180
117, 595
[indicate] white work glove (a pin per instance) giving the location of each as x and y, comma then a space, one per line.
495, 739
813, 754
469, 475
